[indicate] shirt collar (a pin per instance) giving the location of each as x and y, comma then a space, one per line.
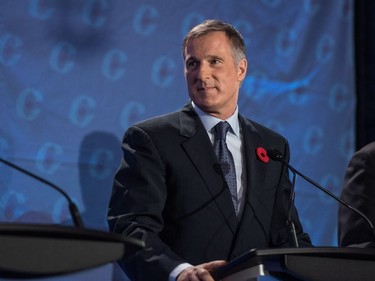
210, 121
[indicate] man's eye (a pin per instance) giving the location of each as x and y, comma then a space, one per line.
191, 63
215, 61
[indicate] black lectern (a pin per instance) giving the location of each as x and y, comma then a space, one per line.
32, 250
321, 264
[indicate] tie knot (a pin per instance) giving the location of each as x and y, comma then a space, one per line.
221, 130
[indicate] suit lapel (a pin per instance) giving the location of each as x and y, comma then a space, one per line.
255, 172
199, 148
255, 169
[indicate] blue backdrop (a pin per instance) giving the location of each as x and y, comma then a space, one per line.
75, 74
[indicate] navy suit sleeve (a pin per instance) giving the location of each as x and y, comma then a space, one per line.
136, 206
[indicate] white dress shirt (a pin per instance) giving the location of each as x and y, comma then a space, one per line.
234, 141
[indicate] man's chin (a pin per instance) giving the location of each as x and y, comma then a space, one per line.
208, 108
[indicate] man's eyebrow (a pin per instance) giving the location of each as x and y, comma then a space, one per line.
214, 56
191, 58
207, 57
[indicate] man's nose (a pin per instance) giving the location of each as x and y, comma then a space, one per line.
203, 72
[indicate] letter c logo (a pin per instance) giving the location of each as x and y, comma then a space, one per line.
9, 45
92, 11
142, 22
61, 58
112, 67
79, 111
26, 106
46, 158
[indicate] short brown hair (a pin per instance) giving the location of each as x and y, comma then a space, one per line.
208, 26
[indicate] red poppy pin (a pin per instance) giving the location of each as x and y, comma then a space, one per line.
262, 155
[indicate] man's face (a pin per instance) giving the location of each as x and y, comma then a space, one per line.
212, 76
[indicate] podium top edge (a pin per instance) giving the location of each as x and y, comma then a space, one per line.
64, 232
318, 251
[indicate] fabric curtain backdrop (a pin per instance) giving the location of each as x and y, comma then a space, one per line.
75, 74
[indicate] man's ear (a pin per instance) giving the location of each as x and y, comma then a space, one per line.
242, 67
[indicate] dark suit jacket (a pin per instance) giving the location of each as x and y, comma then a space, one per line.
358, 191
170, 192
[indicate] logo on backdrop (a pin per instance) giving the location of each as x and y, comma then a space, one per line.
131, 113
47, 158
113, 66
313, 140
144, 20
27, 105
81, 110
163, 71
62, 57
10, 52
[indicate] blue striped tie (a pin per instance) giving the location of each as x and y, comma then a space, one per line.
226, 159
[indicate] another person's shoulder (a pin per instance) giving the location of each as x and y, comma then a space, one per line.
364, 155
368, 148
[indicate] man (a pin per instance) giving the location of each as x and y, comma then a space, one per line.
359, 192
172, 190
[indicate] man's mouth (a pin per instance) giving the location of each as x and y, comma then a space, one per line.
204, 89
